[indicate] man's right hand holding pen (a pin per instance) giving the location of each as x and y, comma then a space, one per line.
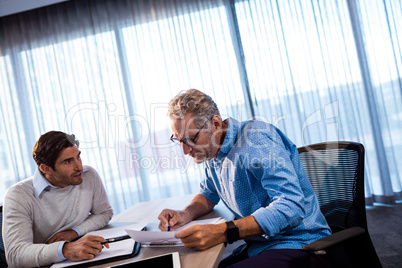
198, 237
198, 206
85, 248
172, 219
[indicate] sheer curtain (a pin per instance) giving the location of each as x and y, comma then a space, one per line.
105, 71
330, 70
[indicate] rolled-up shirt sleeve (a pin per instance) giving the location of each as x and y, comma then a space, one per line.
279, 179
208, 189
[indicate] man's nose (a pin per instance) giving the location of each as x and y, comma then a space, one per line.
78, 164
186, 149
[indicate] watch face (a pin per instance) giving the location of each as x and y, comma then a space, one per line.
232, 232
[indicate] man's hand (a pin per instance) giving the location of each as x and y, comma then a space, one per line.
198, 206
67, 235
85, 248
200, 237
172, 218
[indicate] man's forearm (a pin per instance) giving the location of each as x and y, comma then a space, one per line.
248, 227
200, 237
94, 222
198, 206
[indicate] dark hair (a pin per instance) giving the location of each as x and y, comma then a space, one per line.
49, 146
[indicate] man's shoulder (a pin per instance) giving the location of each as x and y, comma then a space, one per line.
259, 131
258, 125
89, 169
90, 173
250, 124
21, 187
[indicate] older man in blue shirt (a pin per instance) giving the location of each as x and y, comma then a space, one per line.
255, 170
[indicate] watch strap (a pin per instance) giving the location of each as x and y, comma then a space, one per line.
232, 232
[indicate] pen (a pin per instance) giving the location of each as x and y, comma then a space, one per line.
168, 228
119, 238
115, 239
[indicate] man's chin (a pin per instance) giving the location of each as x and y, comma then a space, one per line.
198, 159
76, 181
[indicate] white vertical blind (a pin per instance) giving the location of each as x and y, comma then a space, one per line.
105, 71
306, 76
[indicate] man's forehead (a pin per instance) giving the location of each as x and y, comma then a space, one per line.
68, 153
181, 127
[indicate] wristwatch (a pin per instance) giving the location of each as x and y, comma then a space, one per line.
232, 232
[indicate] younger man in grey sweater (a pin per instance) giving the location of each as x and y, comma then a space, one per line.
63, 200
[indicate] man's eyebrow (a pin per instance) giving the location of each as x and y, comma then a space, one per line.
70, 158
67, 159
176, 137
188, 137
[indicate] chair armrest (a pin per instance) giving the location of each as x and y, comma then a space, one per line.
333, 239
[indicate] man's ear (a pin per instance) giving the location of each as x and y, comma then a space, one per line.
216, 122
45, 169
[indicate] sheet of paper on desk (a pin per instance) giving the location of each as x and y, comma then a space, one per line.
201, 222
117, 231
152, 236
120, 248
167, 237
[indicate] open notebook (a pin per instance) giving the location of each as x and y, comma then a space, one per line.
117, 251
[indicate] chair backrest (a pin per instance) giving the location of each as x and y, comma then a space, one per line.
336, 172
3, 262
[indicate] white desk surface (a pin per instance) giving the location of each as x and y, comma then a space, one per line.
149, 211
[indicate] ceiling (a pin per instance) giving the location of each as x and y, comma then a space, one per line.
8, 7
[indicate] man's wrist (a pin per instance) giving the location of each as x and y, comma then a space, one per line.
60, 250
76, 230
232, 232
187, 216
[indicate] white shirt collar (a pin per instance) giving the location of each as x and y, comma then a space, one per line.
40, 183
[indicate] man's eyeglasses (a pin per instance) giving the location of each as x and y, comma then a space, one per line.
188, 141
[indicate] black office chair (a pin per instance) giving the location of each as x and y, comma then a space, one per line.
3, 262
336, 172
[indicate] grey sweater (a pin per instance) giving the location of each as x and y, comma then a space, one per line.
28, 222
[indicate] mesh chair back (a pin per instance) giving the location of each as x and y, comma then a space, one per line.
336, 172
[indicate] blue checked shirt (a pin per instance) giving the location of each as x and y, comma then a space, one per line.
258, 172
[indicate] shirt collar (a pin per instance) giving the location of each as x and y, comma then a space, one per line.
230, 138
40, 183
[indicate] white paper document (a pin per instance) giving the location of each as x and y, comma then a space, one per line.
117, 231
156, 238
151, 236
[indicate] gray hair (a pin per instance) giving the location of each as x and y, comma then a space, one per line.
194, 102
